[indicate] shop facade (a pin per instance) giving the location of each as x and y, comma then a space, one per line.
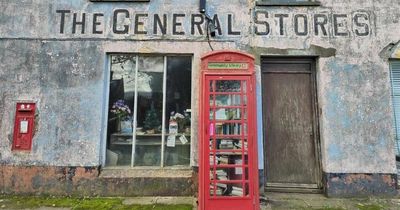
118, 94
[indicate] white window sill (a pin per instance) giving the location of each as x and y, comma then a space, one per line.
150, 172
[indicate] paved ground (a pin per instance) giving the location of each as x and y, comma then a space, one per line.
278, 201
286, 201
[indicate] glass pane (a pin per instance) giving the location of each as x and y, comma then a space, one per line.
228, 129
227, 113
229, 143
246, 189
239, 145
179, 154
121, 101
149, 111
227, 189
211, 100
178, 110
227, 100
227, 86
212, 144
148, 150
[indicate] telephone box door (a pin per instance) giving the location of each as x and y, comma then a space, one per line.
228, 144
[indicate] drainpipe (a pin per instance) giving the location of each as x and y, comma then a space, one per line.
202, 6
210, 23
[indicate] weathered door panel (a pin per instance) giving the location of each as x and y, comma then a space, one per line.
289, 125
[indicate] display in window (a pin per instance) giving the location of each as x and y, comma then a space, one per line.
143, 90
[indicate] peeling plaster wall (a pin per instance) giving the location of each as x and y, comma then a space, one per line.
65, 73
66, 87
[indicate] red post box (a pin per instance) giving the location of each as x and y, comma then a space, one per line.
228, 170
24, 126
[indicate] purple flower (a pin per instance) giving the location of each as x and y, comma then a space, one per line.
120, 109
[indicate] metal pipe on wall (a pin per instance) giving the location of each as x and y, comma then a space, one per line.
202, 6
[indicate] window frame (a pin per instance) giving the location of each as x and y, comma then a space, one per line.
288, 3
395, 96
162, 164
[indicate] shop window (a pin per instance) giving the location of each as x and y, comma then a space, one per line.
288, 3
395, 79
149, 118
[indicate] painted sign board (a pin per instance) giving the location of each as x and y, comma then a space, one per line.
225, 65
124, 21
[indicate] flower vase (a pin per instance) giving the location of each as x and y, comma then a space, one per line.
118, 125
126, 126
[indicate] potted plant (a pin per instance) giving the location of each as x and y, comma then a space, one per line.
151, 121
122, 113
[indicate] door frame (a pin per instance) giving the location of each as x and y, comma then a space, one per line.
312, 60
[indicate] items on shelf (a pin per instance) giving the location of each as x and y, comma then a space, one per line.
226, 144
228, 128
223, 189
151, 121
237, 191
238, 145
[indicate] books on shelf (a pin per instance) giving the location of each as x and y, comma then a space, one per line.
223, 159
237, 191
238, 145
217, 192
226, 190
231, 129
221, 174
238, 170
226, 144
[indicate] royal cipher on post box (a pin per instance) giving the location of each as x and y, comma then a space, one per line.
24, 126
228, 172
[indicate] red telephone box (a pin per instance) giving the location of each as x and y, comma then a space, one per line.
228, 170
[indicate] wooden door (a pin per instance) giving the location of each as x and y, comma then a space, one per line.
290, 125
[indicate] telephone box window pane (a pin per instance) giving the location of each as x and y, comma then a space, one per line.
227, 113
212, 83
121, 102
212, 102
244, 86
227, 86
228, 143
212, 115
212, 144
229, 129
227, 100
227, 189
229, 174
